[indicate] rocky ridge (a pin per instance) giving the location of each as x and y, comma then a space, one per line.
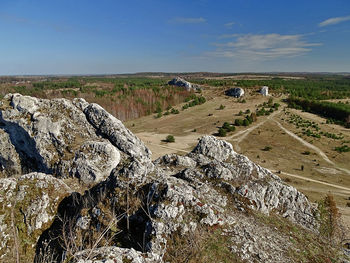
136, 205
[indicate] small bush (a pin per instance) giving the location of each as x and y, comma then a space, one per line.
246, 122
238, 122
267, 148
173, 111
170, 138
221, 107
228, 127
222, 132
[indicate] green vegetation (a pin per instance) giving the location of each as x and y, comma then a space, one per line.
226, 127
337, 112
195, 101
249, 119
222, 132
342, 149
311, 128
221, 107
170, 138
267, 108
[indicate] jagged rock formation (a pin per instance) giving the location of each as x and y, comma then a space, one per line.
63, 138
183, 83
136, 206
235, 92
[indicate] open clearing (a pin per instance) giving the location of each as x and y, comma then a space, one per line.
309, 164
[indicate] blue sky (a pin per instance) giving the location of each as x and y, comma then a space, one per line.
112, 36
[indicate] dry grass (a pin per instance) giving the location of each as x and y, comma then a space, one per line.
202, 245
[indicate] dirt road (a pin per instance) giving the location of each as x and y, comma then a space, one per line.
317, 181
244, 133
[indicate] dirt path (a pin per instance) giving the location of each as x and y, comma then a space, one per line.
167, 147
310, 146
244, 133
317, 181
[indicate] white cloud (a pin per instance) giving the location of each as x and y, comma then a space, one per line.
334, 21
229, 25
188, 20
268, 46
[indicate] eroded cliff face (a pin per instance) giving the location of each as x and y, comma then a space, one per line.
136, 207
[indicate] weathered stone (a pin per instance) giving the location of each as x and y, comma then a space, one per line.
114, 130
264, 90
183, 83
28, 204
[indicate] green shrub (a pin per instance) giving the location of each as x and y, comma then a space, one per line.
238, 122
221, 107
246, 122
170, 138
342, 149
173, 111
222, 132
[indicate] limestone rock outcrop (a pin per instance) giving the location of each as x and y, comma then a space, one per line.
180, 82
63, 138
235, 92
264, 90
